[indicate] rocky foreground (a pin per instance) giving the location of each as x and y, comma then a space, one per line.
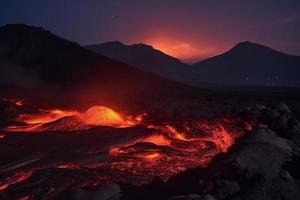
261, 165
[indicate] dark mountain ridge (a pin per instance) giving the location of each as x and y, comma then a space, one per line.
61, 68
247, 64
251, 64
147, 58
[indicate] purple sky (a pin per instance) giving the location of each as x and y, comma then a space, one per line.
188, 29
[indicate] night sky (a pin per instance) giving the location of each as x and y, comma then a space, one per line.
188, 29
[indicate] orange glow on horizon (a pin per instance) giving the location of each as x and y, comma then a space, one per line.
182, 50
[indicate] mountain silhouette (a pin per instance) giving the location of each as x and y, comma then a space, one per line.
251, 64
246, 64
39, 63
147, 58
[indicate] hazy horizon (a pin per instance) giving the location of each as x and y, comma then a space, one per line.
190, 31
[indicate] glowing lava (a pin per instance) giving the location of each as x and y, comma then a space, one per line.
16, 178
70, 120
157, 139
185, 50
104, 116
168, 150
151, 157
45, 116
162, 149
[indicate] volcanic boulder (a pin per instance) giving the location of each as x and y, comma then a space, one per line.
104, 192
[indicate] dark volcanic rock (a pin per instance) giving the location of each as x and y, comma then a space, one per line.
192, 197
208, 197
104, 192
260, 153
225, 188
252, 169
283, 108
285, 175
178, 197
8, 113
275, 189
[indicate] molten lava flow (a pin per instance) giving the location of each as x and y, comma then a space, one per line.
151, 156
175, 133
16, 178
104, 116
46, 116
157, 139
218, 135
168, 150
69, 120
159, 149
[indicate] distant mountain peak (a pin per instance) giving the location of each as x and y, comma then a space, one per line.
251, 64
25, 42
17, 25
142, 45
247, 43
147, 58
117, 43
114, 43
247, 47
